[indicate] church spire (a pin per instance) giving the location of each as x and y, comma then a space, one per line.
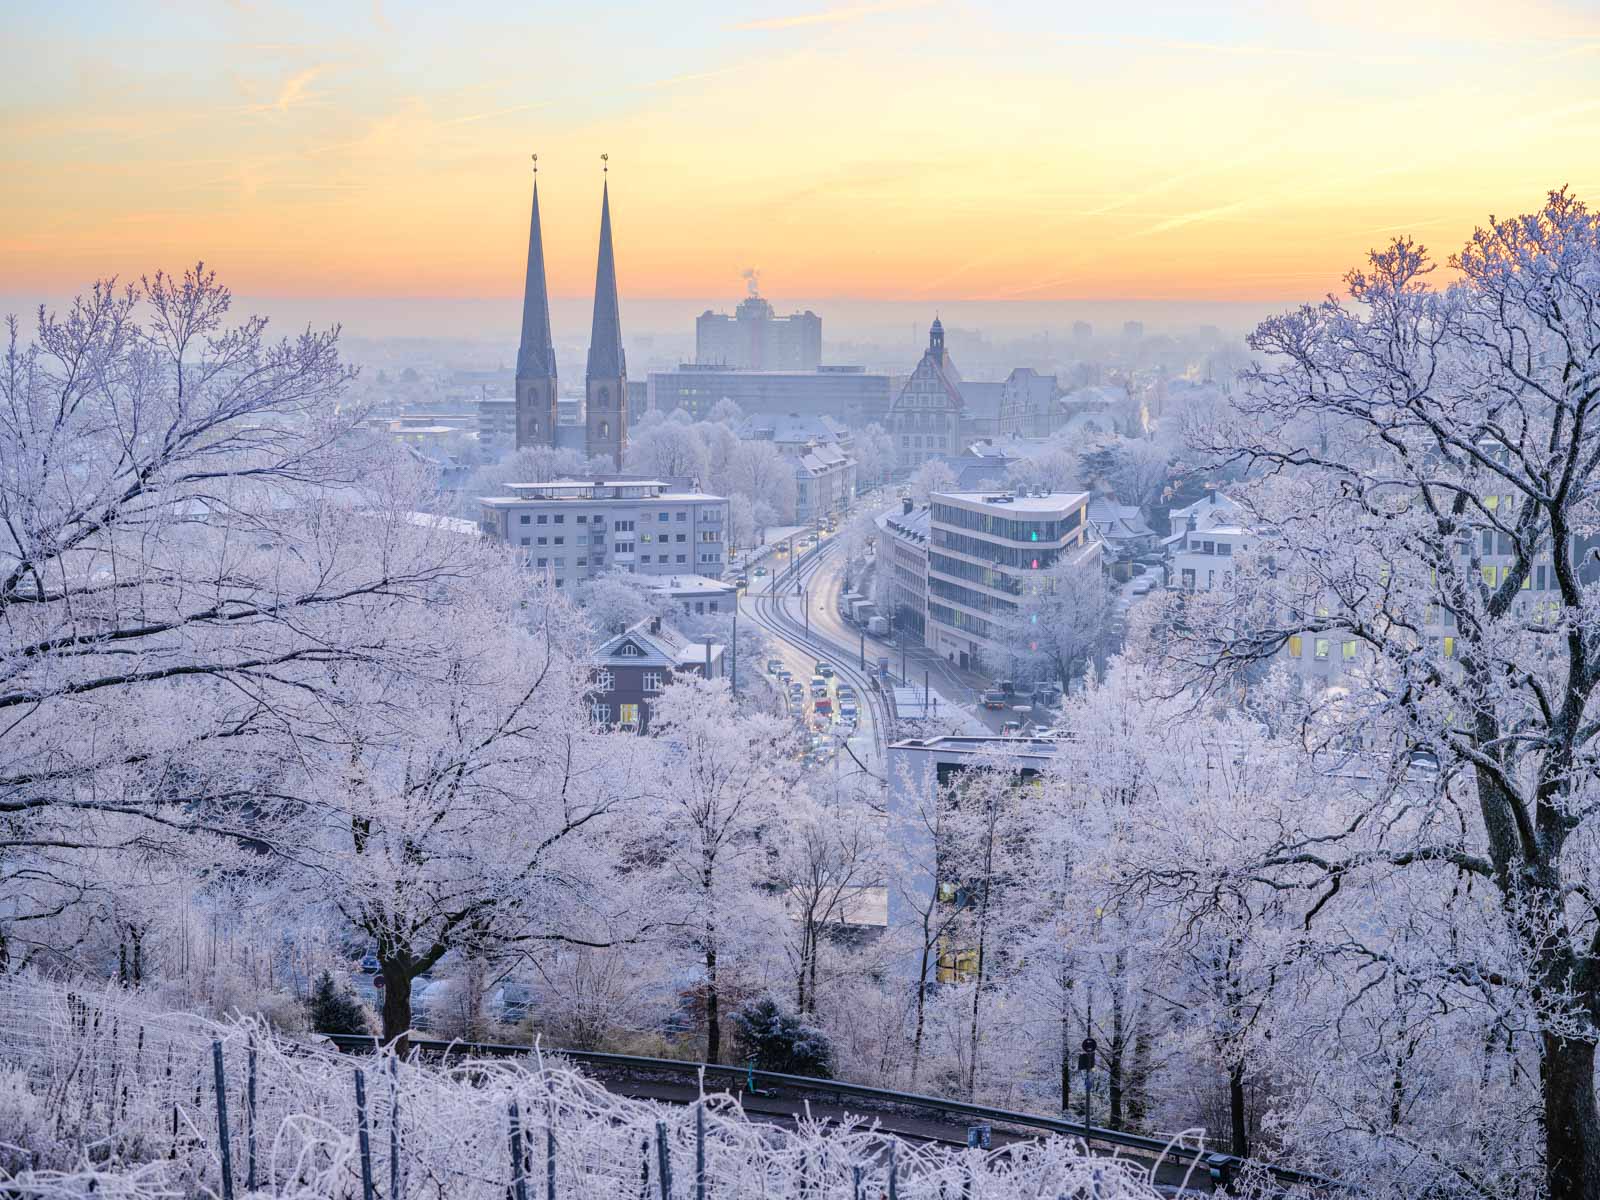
606, 380
605, 340
536, 355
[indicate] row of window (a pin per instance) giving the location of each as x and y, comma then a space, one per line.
956, 619
1323, 647
961, 569
605, 681
1010, 528
933, 442
979, 600
1007, 556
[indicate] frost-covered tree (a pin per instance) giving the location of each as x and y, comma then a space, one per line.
873, 450
718, 791
829, 853
932, 476
760, 472
1135, 469
1063, 625
669, 449
463, 806
1427, 491
196, 536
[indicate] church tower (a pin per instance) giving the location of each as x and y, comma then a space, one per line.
536, 355
606, 380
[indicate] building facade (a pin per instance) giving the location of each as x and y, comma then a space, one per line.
984, 548
575, 529
756, 338
628, 671
849, 394
925, 419
1030, 404
903, 568
824, 481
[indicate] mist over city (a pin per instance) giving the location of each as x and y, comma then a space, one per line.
895, 599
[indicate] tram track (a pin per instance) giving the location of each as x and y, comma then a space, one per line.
770, 610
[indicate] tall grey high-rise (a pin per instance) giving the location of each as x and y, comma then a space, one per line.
606, 379
536, 355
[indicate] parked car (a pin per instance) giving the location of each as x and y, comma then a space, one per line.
995, 698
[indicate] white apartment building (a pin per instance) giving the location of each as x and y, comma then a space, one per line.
575, 528
983, 547
903, 568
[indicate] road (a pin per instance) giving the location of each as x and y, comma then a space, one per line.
799, 605
776, 603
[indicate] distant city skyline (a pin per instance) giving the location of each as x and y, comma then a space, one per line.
924, 152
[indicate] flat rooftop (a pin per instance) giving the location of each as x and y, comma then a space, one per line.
686, 585
589, 491
1002, 502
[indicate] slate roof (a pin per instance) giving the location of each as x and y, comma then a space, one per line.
606, 360
536, 356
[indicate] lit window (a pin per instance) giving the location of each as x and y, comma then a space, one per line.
1322, 646
1295, 646
1449, 647
1349, 648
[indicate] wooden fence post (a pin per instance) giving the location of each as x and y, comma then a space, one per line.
222, 1121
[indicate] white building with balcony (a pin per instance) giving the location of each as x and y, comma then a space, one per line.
575, 528
982, 548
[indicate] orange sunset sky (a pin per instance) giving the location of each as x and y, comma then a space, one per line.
882, 150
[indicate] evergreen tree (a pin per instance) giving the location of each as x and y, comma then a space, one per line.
333, 1009
780, 1040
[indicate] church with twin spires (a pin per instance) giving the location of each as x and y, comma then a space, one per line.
605, 388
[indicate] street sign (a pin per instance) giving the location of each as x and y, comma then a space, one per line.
1086, 1062
1089, 1045
378, 982
978, 1137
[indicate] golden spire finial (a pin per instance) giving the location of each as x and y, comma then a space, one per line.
535, 164
605, 164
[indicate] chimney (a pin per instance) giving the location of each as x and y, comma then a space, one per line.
655, 625
906, 506
1213, 495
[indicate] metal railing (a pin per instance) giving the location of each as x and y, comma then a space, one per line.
1220, 1168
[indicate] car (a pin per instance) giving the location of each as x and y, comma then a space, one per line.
785, 675
741, 582
995, 698
773, 666
848, 710
759, 572
1142, 586
825, 669
369, 962
824, 705
1011, 729
846, 692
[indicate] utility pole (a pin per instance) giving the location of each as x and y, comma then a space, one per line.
734, 649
